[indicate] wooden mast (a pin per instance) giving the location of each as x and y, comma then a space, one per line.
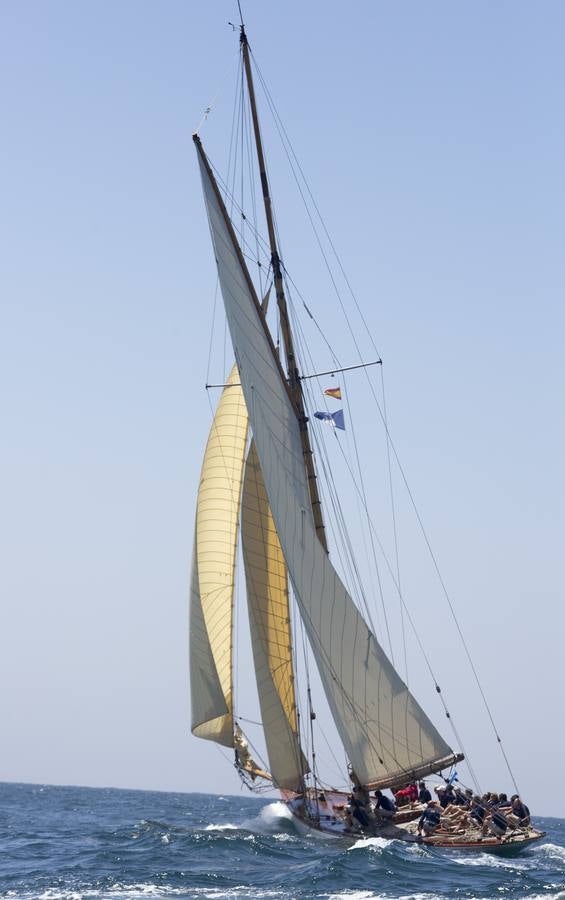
291, 364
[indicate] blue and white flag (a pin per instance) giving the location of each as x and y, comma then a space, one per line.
452, 777
334, 419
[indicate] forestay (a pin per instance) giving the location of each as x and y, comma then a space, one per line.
213, 568
383, 728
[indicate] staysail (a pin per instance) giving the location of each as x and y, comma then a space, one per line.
269, 620
213, 568
383, 729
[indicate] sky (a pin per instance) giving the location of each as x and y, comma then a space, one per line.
433, 139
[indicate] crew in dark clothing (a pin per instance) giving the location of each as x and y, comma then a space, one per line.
358, 814
520, 812
384, 806
447, 797
498, 824
424, 795
430, 819
478, 811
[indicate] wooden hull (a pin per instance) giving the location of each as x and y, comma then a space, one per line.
510, 846
322, 813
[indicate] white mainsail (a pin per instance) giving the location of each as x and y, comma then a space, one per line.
269, 620
384, 730
213, 568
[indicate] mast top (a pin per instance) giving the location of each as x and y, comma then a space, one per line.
243, 36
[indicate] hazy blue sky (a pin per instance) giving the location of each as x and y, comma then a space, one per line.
434, 140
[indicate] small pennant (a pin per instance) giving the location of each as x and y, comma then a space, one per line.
333, 392
334, 419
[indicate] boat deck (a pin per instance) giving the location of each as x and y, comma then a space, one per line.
325, 812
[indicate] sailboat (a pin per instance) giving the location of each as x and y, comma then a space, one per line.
258, 500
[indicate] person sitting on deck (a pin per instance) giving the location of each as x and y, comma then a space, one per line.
460, 798
478, 811
358, 813
520, 815
430, 819
348, 818
424, 796
407, 794
362, 794
447, 796
385, 808
497, 824
503, 802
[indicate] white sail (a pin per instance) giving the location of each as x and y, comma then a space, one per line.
213, 568
384, 731
269, 620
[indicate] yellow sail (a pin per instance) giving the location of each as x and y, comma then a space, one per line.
269, 619
213, 569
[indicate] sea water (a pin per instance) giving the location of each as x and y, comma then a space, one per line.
68, 842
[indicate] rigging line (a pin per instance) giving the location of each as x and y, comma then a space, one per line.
284, 140
366, 508
477, 680
234, 145
212, 328
248, 721
454, 616
394, 530
234, 130
243, 108
365, 505
341, 538
217, 94
407, 611
217, 277
257, 753
234, 204
306, 736
338, 770
329, 478
282, 129
250, 163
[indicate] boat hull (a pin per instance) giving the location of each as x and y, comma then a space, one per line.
321, 813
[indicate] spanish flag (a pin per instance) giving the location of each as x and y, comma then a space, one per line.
333, 392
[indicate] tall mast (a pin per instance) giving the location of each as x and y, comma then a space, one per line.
291, 364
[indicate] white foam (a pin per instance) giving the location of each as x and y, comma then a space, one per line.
554, 851
369, 895
227, 827
230, 893
489, 859
117, 890
271, 813
353, 895
379, 842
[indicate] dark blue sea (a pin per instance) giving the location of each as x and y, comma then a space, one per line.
69, 843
